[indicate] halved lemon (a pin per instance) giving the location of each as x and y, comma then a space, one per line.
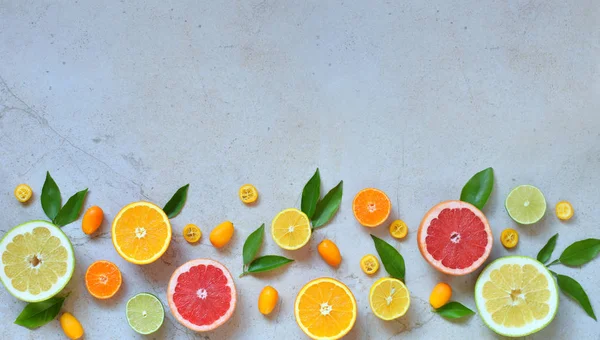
141, 232
516, 296
291, 229
37, 261
389, 298
325, 308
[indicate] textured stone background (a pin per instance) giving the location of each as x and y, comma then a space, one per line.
135, 100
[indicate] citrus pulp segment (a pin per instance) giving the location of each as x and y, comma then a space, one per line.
389, 298
37, 261
325, 308
291, 229
455, 237
202, 295
145, 313
516, 296
371, 207
103, 279
525, 204
141, 232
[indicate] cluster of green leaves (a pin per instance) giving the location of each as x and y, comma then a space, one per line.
252, 264
37, 314
320, 211
577, 254
478, 189
51, 203
176, 203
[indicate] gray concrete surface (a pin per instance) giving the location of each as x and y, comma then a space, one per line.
135, 100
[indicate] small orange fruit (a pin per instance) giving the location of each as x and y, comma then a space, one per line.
369, 264
23, 193
509, 238
248, 193
92, 219
371, 207
330, 253
192, 233
564, 210
103, 279
267, 300
440, 295
222, 234
71, 326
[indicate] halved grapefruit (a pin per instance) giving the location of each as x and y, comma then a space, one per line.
455, 237
202, 295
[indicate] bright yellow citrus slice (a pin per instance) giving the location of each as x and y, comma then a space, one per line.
192, 233
509, 238
248, 193
23, 193
325, 309
291, 229
369, 264
564, 210
141, 232
398, 229
389, 298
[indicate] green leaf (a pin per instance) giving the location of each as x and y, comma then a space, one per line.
70, 211
252, 244
573, 289
478, 188
454, 310
392, 261
328, 206
176, 203
544, 255
37, 314
266, 263
50, 197
580, 252
310, 194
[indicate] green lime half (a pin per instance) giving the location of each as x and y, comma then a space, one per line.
526, 204
145, 313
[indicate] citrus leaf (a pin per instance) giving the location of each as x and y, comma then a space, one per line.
454, 310
252, 244
37, 314
310, 194
50, 197
478, 188
176, 203
392, 261
574, 290
328, 206
70, 211
544, 255
267, 262
580, 252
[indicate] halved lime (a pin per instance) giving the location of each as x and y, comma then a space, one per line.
516, 296
145, 313
37, 261
526, 204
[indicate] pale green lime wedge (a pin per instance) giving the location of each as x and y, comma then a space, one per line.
526, 204
37, 261
145, 313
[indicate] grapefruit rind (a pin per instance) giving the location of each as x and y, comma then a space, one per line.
337, 283
171, 291
60, 283
434, 213
522, 331
167, 240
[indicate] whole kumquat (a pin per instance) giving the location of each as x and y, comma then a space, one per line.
267, 300
440, 295
92, 219
330, 253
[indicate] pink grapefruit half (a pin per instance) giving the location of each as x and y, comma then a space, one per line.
455, 237
202, 295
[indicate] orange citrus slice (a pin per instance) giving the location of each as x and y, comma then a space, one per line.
103, 279
325, 309
141, 232
371, 207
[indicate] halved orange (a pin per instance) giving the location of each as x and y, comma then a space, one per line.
371, 207
325, 309
141, 232
103, 279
